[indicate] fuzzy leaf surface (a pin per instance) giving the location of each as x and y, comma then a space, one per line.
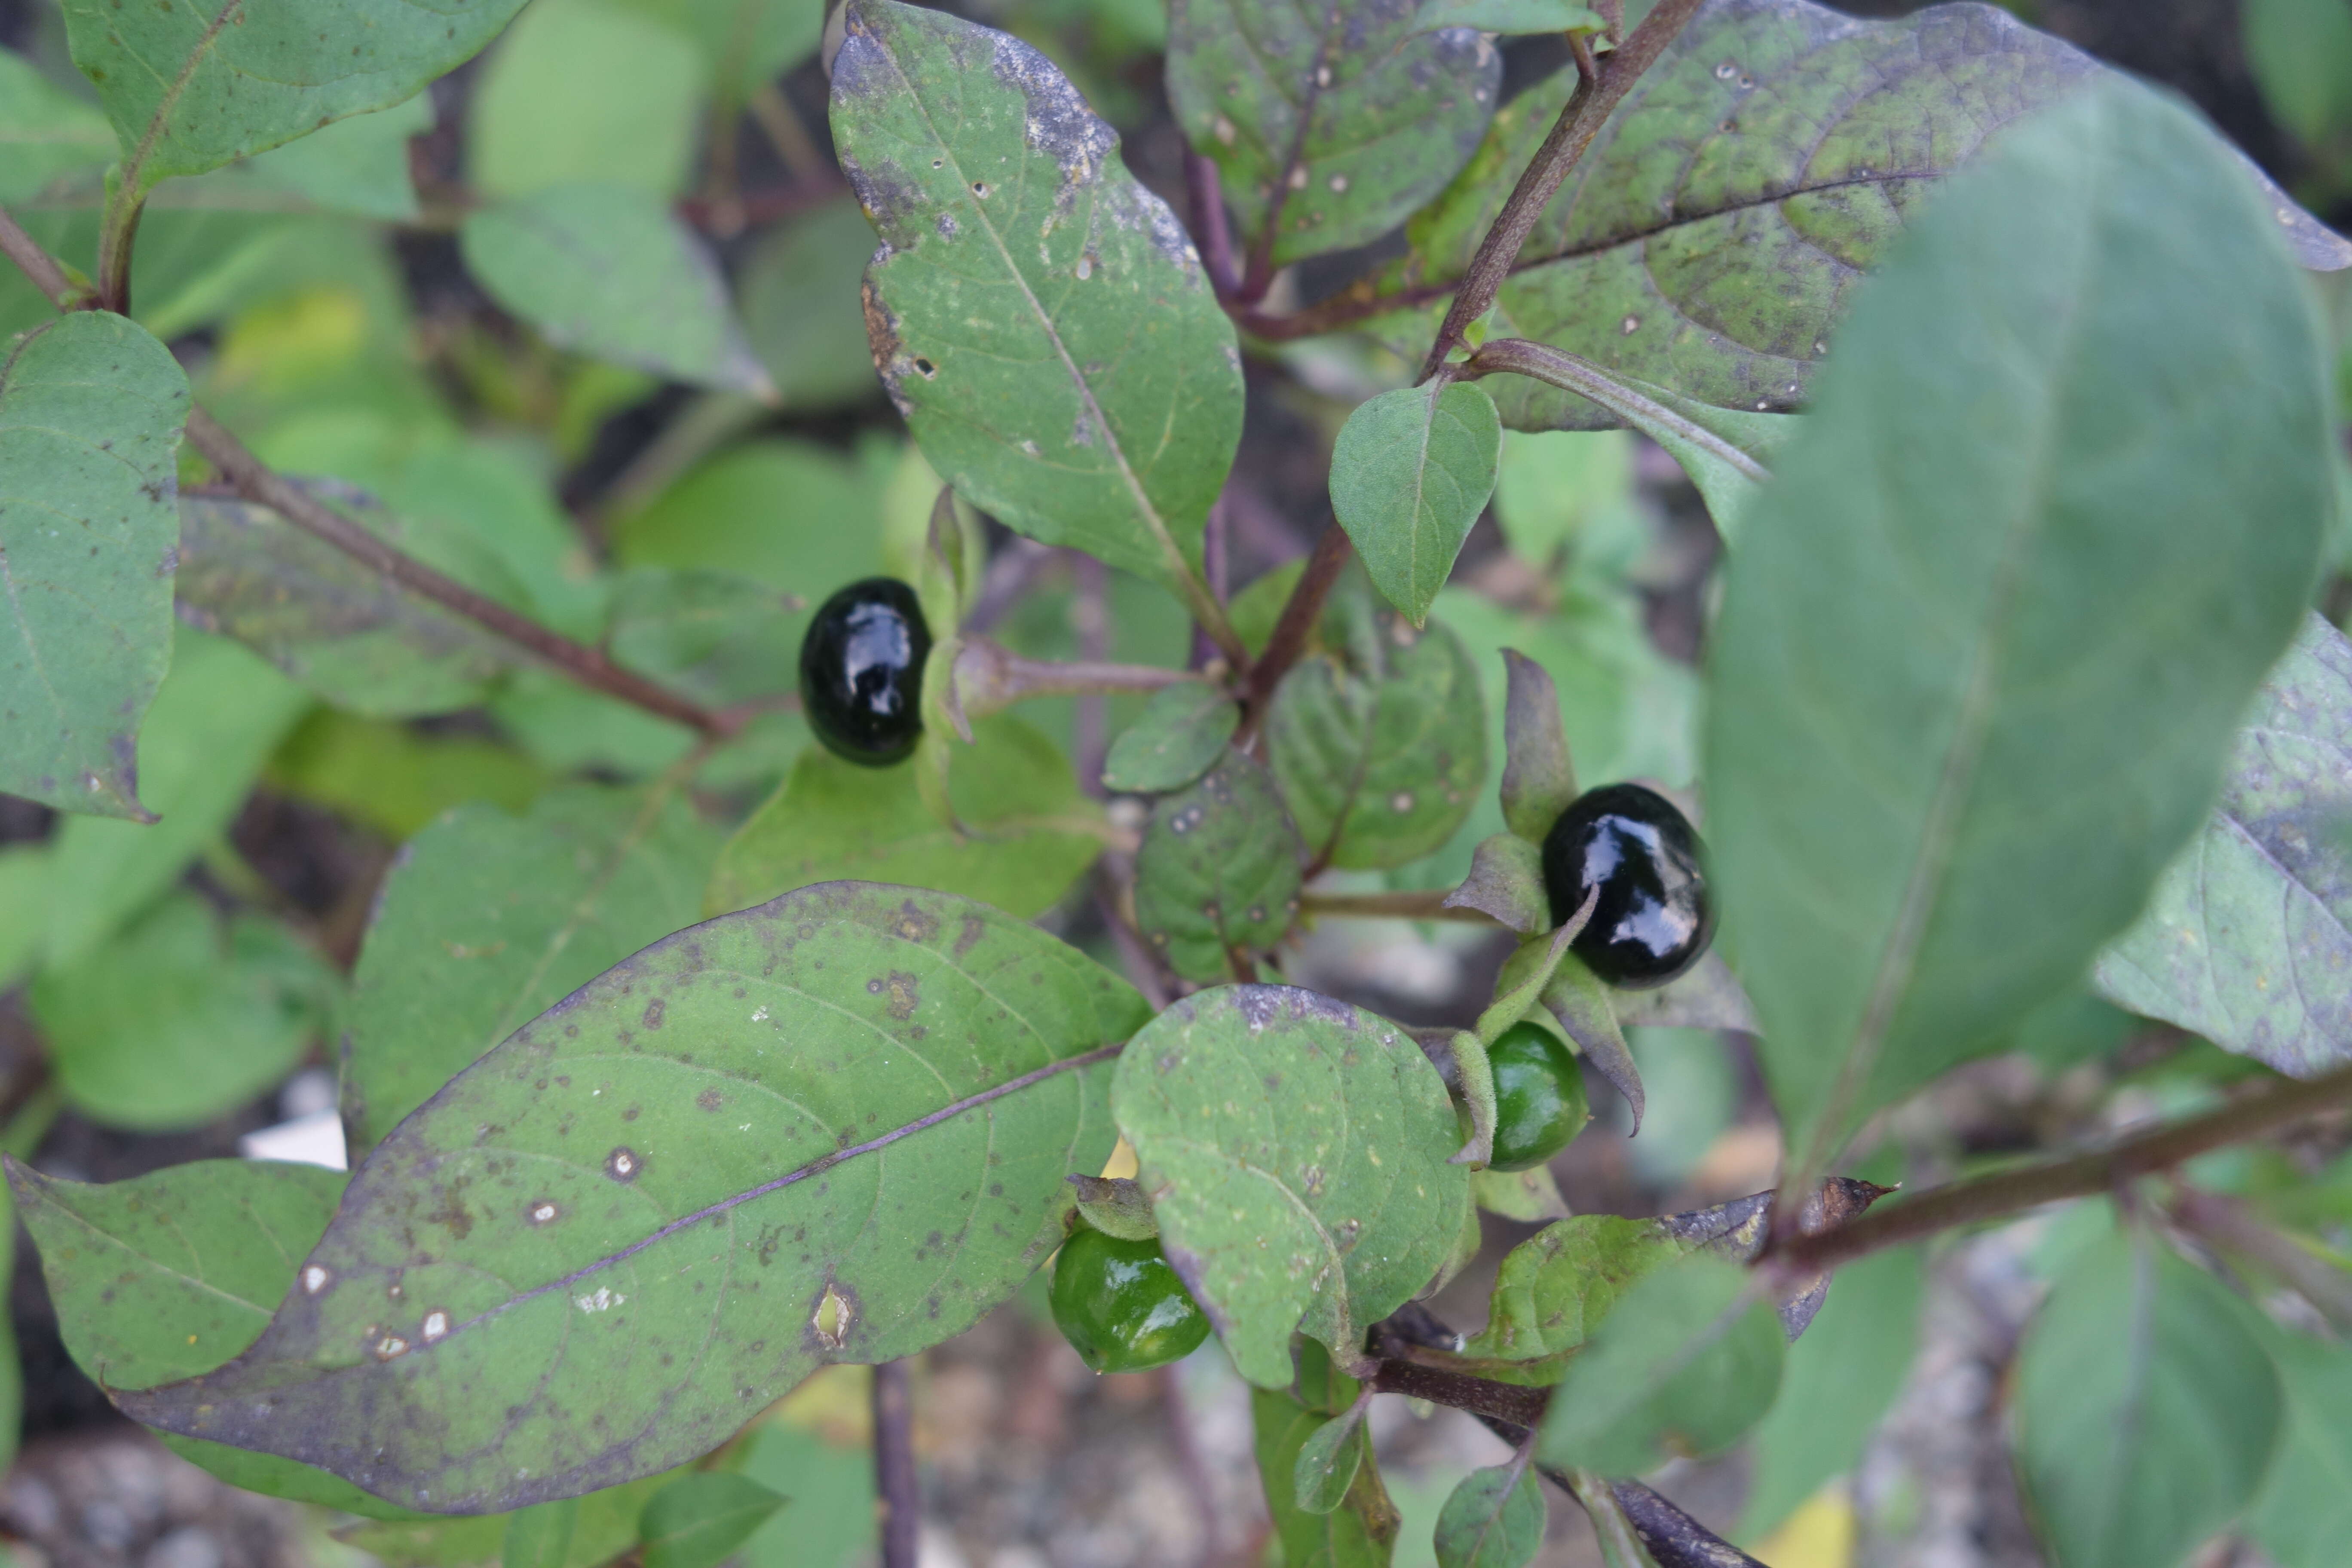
1380, 744
1218, 869
1037, 316
90, 411
191, 87
1029, 828
1409, 474
1294, 1150
830, 1129
2248, 938
1940, 680
1777, 131
2146, 1408
488, 919
604, 269
1329, 122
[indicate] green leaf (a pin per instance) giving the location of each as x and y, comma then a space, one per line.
50, 139
1379, 743
23, 909
604, 1528
2245, 939
1840, 1380
1553, 488
1539, 780
1505, 881
1037, 316
1508, 17
183, 1017
341, 628
2146, 1409
1805, 139
1030, 832
1411, 473
488, 919
792, 515
90, 410
1328, 123
1530, 1197
1931, 678
1115, 1206
1184, 730
719, 1211
358, 165
585, 89
1325, 1471
1294, 1150
1586, 1011
798, 291
1685, 1365
604, 269
744, 41
1554, 1288
1360, 1534
1218, 869
393, 779
192, 87
2301, 52
216, 717
2304, 1512
540, 1537
1494, 1518
168, 1275
697, 1519
711, 636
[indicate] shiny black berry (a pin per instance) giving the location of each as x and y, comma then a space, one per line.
862, 672
1653, 918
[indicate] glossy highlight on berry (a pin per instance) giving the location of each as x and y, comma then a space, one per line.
1654, 917
1540, 1104
1122, 1305
862, 672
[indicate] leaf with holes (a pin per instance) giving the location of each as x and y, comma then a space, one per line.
488, 919
1379, 743
90, 410
1294, 1150
1409, 474
2015, 658
1218, 869
1037, 316
605, 269
341, 628
1029, 832
830, 1129
1776, 131
193, 86
1328, 123
169, 1275
2245, 940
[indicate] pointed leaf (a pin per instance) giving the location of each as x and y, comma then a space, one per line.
90, 410
540, 1537
1359, 1534
1324, 1470
607, 1274
488, 919
1530, 1197
192, 86
341, 628
1707, 997
1806, 140
2147, 1410
1539, 780
1505, 881
1037, 316
1554, 1288
1182, 730
1328, 123
1686, 1364
1410, 472
697, 1519
1586, 1012
1472, 1079
1028, 832
1494, 1518
1528, 973
1218, 869
1294, 1150
607, 271
1380, 742
2248, 937
170, 1274
1978, 634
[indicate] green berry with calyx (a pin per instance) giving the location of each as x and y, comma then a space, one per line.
1122, 1305
1539, 1096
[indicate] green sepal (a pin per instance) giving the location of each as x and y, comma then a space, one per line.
1115, 1206
1539, 780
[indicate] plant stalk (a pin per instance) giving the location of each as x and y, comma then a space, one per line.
1600, 87
1205, 197
118, 230
1397, 906
38, 265
898, 1498
1299, 614
1549, 365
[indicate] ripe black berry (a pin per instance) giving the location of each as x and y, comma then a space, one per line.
862, 672
1653, 918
